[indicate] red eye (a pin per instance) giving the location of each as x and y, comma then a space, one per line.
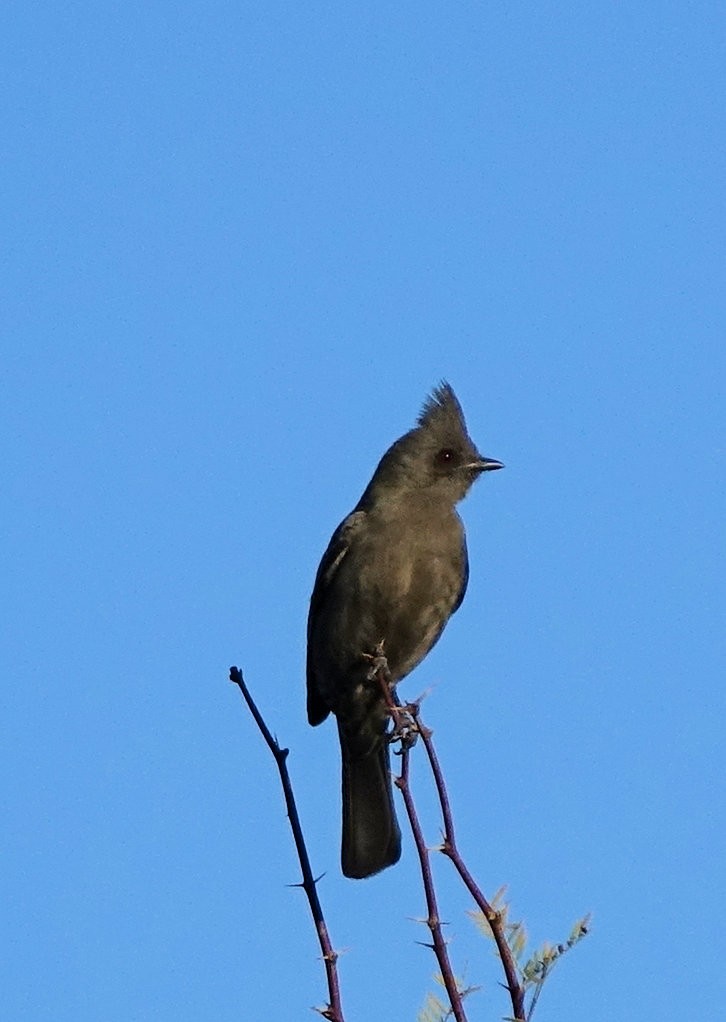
445, 457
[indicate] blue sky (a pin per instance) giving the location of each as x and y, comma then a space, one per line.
241, 243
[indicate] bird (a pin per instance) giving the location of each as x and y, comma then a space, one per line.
394, 572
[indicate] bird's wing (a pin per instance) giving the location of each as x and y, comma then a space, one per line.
337, 549
464, 574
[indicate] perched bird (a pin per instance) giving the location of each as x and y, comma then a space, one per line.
394, 572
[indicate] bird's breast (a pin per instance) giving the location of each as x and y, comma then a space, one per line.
402, 584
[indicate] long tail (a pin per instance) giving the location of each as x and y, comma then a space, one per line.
371, 838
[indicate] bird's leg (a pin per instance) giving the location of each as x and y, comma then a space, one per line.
379, 671
379, 664
404, 726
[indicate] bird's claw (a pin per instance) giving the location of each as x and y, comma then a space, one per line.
378, 663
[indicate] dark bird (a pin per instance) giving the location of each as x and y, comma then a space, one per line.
394, 572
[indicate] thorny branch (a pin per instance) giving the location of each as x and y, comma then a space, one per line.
334, 1010
405, 730
407, 724
407, 727
450, 849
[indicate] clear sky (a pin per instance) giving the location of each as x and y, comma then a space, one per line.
241, 242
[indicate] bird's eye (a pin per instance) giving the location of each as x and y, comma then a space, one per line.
445, 457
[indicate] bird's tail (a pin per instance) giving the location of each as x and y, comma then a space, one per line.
371, 838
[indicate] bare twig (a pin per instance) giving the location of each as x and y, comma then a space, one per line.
334, 1011
405, 728
450, 849
433, 920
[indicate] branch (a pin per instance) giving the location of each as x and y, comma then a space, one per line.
334, 1010
405, 728
433, 920
450, 849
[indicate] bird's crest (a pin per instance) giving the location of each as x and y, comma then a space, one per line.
442, 407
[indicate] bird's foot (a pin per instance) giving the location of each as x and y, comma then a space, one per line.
378, 664
405, 728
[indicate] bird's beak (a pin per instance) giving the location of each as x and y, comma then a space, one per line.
485, 465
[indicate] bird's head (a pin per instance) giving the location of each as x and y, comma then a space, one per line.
437, 458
